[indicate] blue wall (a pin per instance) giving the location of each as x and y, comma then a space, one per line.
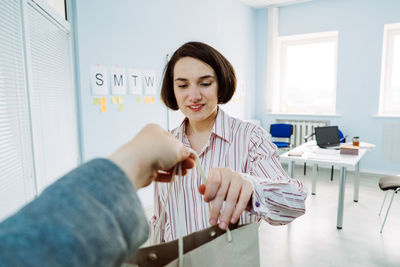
134, 33
139, 34
360, 25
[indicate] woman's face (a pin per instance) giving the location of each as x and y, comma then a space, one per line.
196, 89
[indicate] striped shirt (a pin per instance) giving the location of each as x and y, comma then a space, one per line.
245, 148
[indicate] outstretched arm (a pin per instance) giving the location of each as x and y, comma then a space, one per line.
92, 216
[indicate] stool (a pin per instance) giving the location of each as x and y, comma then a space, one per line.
388, 183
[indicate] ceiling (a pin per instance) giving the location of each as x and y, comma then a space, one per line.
270, 3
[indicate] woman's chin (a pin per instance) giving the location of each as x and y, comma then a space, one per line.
203, 115
196, 118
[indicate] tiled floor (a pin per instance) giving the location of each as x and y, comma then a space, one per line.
313, 240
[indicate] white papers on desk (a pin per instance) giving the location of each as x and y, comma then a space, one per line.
363, 145
295, 153
367, 145
325, 151
323, 156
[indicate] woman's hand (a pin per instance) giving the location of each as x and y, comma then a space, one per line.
224, 184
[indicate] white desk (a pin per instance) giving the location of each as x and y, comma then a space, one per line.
310, 153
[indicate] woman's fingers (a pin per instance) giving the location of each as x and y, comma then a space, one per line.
163, 177
213, 184
225, 185
245, 194
188, 163
230, 203
202, 189
216, 189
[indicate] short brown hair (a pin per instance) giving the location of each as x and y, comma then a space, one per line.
223, 69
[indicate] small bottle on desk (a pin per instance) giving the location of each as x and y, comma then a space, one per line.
356, 141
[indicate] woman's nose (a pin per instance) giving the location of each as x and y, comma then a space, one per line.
194, 94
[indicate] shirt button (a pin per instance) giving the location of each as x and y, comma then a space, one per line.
257, 204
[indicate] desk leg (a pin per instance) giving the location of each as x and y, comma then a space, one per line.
342, 183
291, 168
356, 181
314, 179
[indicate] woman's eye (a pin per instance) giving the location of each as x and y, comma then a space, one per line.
205, 84
182, 85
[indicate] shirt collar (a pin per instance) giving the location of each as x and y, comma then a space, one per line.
221, 128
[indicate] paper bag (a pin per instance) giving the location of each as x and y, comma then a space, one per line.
209, 247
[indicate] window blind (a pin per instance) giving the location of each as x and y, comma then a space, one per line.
16, 163
52, 97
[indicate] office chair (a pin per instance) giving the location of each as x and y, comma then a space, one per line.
281, 134
385, 184
342, 139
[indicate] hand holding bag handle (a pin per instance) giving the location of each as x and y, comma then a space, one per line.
181, 206
219, 249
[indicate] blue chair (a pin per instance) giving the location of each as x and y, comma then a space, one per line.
281, 134
342, 137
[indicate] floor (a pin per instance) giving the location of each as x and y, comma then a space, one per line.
313, 240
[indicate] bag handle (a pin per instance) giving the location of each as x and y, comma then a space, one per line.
178, 168
204, 180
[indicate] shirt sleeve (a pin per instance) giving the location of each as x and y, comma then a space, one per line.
90, 217
278, 198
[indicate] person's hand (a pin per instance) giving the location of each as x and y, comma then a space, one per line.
224, 184
152, 155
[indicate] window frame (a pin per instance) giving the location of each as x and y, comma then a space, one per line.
390, 32
53, 14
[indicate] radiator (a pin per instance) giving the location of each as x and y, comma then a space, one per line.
302, 128
391, 141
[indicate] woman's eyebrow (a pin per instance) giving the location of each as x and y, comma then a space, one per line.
200, 78
181, 79
206, 76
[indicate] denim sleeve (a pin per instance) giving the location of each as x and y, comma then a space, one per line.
92, 216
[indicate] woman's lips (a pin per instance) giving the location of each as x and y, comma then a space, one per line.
196, 108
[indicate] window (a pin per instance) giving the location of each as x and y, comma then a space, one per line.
59, 7
389, 104
38, 129
52, 96
306, 81
17, 184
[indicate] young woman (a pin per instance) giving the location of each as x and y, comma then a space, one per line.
245, 182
